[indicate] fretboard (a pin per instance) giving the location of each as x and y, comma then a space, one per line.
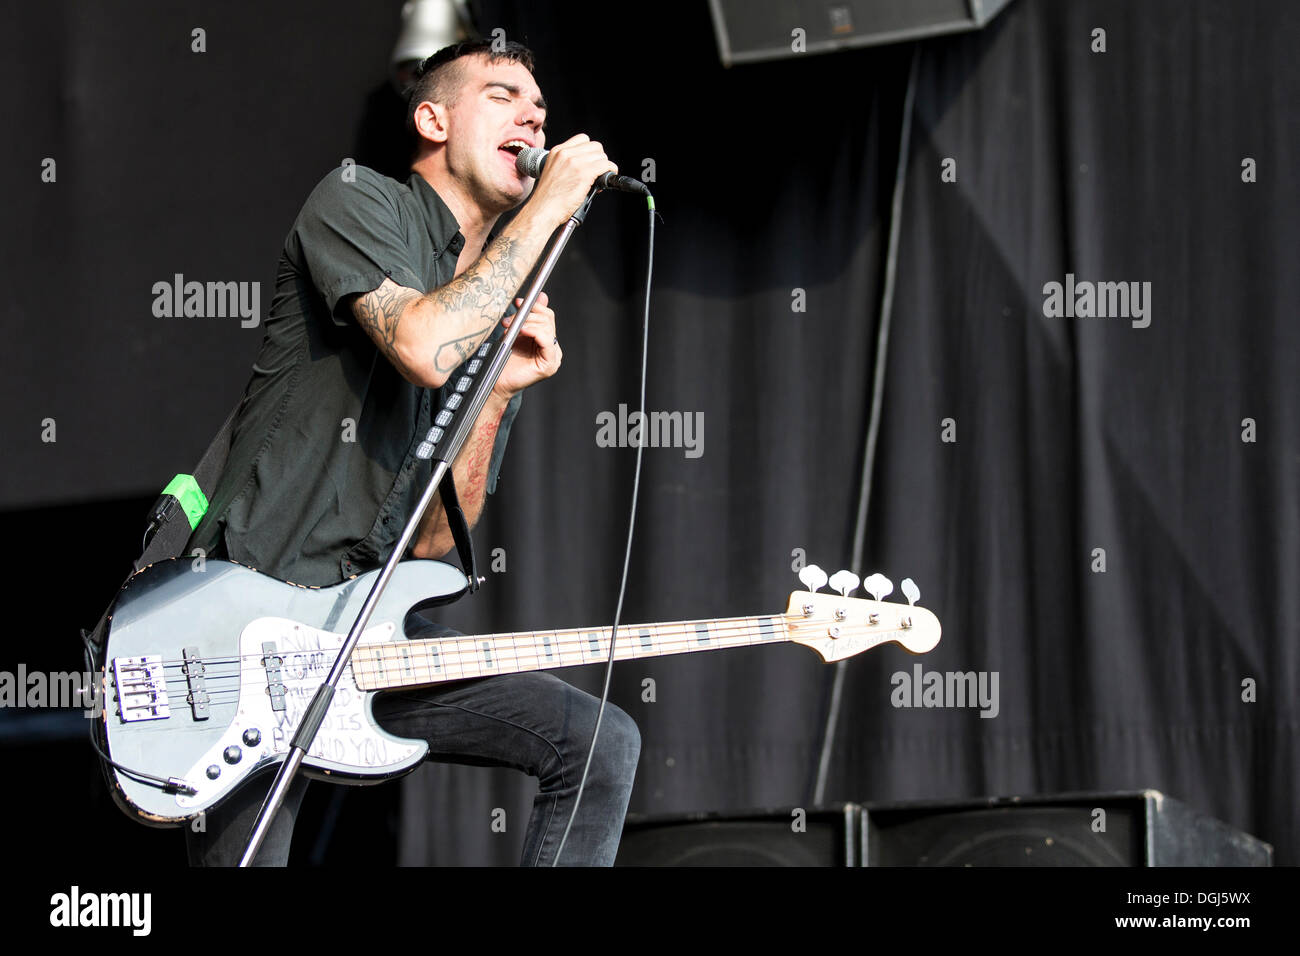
415, 662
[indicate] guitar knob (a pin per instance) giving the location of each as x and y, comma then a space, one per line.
252, 737
213, 772
232, 754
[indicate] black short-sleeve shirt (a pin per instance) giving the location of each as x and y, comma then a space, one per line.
322, 473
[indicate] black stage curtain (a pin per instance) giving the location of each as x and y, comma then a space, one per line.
1020, 453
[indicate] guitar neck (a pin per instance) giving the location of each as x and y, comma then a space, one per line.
412, 663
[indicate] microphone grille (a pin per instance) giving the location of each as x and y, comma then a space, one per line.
530, 160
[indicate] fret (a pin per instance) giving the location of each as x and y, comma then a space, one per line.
702, 632
507, 659
573, 646
429, 661
465, 661
573, 649
514, 647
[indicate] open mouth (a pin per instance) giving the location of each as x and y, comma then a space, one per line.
513, 148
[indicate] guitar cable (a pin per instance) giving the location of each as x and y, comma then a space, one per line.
627, 552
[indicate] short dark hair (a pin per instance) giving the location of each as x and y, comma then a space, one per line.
439, 77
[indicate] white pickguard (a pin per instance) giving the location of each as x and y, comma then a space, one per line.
349, 742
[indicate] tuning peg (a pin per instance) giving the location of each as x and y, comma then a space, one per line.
844, 581
879, 586
813, 577
911, 591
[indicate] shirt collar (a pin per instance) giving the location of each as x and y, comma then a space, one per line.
443, 228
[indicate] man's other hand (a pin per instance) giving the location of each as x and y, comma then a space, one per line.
536, 354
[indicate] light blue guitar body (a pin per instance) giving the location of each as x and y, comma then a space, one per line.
208, 666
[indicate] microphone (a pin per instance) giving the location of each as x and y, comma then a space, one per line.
531, 160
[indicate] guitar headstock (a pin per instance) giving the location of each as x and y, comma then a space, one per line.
837, 626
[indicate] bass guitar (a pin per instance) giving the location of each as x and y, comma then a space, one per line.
207, 667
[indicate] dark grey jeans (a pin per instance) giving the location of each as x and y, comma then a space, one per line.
532, 722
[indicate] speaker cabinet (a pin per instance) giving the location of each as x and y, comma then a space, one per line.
750, 30
1143, 828
827, 836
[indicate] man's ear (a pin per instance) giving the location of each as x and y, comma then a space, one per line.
431, 122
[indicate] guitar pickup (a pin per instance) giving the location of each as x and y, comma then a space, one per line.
141, 688
271, 660
194, 670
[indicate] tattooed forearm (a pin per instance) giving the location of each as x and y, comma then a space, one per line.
379, 313
470, 469
483, 292
444, 327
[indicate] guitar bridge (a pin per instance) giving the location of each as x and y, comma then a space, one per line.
141, 688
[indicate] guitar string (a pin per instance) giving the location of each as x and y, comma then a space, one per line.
455, 656
731, 624
446, 674
453, 664
574, 639
457, 660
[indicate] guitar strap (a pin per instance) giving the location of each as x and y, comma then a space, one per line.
459, 530
170, 528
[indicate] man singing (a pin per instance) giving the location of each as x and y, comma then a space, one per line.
383, 289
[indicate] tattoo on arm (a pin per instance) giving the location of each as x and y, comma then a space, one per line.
450, 354
471, 471
484, 291
379, 313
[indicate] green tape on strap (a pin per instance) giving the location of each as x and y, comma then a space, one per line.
193, 501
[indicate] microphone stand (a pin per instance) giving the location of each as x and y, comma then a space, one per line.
460, 427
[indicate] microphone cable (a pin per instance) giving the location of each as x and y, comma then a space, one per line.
627, 553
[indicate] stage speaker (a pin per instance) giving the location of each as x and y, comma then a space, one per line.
749, 30
1085, 829
1080, 829
827, 836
